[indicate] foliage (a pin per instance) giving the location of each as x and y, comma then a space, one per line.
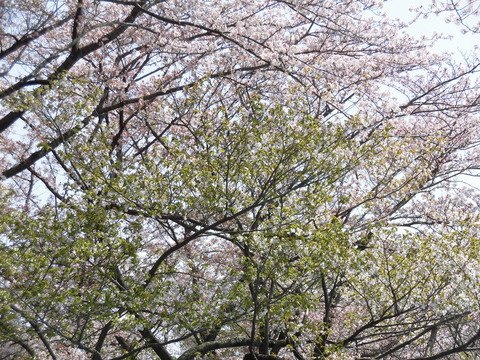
235, 180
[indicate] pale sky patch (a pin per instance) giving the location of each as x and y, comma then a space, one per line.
459, 43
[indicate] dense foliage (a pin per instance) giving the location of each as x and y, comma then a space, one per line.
236, 180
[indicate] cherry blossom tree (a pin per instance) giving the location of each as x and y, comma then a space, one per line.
235, 180
462, 12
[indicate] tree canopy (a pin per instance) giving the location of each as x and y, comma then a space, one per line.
236, 180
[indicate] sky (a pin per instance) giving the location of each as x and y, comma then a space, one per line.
460, 43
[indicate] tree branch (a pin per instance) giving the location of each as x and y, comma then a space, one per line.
155, 345
223, 344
